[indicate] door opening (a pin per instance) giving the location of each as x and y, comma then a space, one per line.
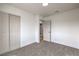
41, 31
45, 31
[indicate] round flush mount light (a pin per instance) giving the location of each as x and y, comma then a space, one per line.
44, 4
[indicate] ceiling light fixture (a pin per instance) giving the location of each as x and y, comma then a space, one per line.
45, 4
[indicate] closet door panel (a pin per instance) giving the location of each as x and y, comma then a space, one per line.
14, 32
1, 32
4, 32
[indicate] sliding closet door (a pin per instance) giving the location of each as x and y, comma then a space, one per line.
4, 32
14, 31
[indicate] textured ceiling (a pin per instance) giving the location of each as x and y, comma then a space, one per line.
37, 8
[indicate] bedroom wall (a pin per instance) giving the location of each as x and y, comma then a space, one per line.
65, 28
28, 23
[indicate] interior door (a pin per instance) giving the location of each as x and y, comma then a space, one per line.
14, 31
47, 31
4, 32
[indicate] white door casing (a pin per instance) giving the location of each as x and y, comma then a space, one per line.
47, 31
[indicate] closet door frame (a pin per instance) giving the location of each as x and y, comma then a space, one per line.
10, 35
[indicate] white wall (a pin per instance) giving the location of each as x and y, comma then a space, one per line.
28, 23
65, 28
37, 29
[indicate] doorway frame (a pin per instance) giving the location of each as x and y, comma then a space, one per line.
50, 28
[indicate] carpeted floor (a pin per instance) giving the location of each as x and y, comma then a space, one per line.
44, 49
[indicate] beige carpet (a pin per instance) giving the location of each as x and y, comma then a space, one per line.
44, 49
